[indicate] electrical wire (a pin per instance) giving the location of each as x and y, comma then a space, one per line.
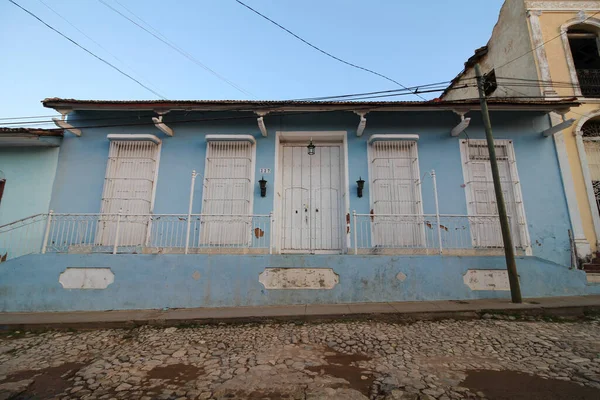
88, 51
96, 43
323, 51
177, 49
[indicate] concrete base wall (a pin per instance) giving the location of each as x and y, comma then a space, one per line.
80, 282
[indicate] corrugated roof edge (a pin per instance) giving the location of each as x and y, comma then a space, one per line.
218, 105
32, 131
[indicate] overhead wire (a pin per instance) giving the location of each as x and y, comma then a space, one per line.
96, 43
177, 49
88, 51
328, 54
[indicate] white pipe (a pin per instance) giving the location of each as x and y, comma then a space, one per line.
189, 216
355, 233
47, 233
437, 209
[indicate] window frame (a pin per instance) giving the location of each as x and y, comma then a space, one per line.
523, 234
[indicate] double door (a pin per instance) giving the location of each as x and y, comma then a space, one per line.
311, 211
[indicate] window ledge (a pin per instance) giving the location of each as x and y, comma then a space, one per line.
243, 138
381, 137
138, 137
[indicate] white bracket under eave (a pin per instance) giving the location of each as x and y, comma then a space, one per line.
66, 126
362, 124
160, 125
462, 125
557, 128
63, 124
261, 122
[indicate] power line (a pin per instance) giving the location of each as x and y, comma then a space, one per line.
92, 40
357, 107
547, 41
176, 48
323, 51
88, 51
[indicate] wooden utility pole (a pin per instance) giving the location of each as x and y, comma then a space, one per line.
509, 251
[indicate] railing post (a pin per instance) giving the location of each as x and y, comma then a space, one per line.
355, 232
271, 232
189, 216
437, 210
117, 231
47, 232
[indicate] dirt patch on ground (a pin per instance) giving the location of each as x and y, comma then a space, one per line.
511, 385
345, 366
176, 373
47, 382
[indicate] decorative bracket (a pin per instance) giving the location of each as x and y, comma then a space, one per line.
362, 124
261, 122
160, 125
462, 125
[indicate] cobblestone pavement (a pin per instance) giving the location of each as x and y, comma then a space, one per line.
493, 358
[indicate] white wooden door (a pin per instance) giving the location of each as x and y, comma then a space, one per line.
486, 231
396, 195
311, 203
227, 194
129, 188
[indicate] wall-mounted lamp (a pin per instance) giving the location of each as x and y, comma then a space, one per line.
360, 185
311, 148
263, 187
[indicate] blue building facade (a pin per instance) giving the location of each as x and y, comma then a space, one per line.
133, 228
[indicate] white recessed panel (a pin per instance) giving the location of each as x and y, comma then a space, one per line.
86, 278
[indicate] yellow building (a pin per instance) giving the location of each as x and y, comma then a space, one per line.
551, 49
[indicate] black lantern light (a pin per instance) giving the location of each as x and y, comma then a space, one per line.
360, 185
263, 187
311, 148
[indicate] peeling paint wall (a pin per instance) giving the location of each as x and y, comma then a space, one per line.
31, 283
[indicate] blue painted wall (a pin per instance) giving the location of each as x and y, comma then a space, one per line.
82, 161
29, 173
30, 283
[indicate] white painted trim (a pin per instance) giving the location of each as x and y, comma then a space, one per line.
346, 217
587, 177
136, 137
567, 48
542, 60
393, 136
558, 6
276, 200
158, 151
234, 138
297, 137
583, 246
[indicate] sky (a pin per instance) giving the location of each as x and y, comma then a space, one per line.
412, 42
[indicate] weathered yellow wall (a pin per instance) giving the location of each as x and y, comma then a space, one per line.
559, 71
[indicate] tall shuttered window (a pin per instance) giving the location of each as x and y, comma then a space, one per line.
480, 194
227, 195
129, 188
396, 194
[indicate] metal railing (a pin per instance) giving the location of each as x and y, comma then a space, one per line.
426, 233
157, 233
140, 233
22, 237
589, 82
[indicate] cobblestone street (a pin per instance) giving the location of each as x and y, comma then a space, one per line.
495, 358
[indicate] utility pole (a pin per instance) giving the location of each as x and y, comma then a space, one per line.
509, 251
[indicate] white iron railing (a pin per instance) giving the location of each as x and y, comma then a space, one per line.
426, 233
22, 237
157, 233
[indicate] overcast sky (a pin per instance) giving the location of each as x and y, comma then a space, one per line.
413, 42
